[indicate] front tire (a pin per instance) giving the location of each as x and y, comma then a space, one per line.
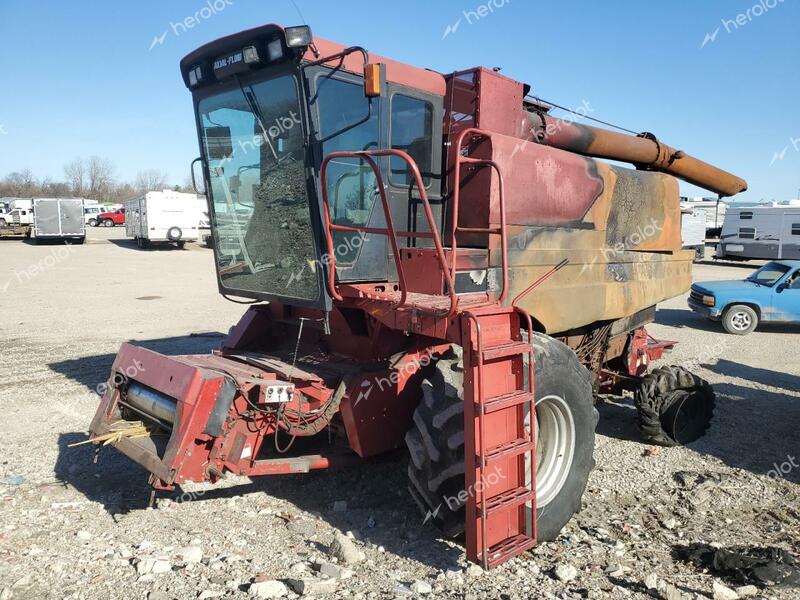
566, 420
740, 319
108, 223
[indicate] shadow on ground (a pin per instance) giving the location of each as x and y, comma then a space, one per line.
130, 244
91, 370
740, 435
379, 507
676, 317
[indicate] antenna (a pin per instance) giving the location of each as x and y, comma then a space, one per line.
297, 8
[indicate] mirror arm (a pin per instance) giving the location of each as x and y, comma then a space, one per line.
191, 170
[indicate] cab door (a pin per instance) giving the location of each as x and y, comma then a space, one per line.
786, 298
345, 120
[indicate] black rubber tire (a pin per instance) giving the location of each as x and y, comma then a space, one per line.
436, 440
739, 309
92, 223
108, 223
675, 406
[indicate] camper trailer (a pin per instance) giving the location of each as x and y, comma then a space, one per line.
714, 208
764, 232
162, 217
693, 231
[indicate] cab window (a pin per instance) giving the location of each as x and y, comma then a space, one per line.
412, 132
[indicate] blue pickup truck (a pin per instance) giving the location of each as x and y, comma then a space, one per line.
772, 293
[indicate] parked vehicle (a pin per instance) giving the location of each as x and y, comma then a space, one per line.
58, 219
110, 219
765, 232
162, 217
16, 216
714, 209
91, 214
693, 231
771, 294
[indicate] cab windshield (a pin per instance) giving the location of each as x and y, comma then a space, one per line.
769, 274
253, 142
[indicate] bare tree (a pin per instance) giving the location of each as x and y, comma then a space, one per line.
20, 184
100, 176
150, 180
75, 172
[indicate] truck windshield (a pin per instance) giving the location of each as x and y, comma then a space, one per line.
769, 274
254, 145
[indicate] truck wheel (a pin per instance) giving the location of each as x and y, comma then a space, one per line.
566, 420
675, 406
739, 319
3, 223
93, 222
108, 223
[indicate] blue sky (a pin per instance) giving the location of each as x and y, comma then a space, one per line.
81, 78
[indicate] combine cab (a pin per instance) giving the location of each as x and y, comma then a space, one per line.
438, 264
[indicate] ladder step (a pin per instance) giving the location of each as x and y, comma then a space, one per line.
504, 401
507, 349
512, 448
508, 548
509, 499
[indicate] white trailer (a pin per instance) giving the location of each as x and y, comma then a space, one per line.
769, 232
693, 231
162, 217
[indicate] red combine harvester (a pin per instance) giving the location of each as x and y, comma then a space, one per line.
435, 262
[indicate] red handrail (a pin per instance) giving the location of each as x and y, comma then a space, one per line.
456, 228
389, 230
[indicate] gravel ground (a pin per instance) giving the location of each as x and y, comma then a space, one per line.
73, 529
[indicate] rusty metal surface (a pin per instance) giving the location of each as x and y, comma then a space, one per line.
643, 151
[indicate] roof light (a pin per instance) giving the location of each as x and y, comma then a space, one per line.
195, 75
299, 36
274, 50
250, 54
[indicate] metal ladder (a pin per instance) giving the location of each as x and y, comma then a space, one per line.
499, 449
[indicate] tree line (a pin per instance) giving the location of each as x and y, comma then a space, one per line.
93, 177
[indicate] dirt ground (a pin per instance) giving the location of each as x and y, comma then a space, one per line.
73, 529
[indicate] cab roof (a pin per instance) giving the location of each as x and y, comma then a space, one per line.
396, 72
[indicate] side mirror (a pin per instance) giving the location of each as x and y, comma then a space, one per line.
781, 287
193, 168
218, 142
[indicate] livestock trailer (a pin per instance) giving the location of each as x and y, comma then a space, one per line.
767, 232
163, 217
58, 219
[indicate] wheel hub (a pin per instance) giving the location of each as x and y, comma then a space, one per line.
555, 447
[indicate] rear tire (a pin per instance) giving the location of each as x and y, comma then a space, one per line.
564, 409
108, 223
675, 406
740, 319
93, 222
